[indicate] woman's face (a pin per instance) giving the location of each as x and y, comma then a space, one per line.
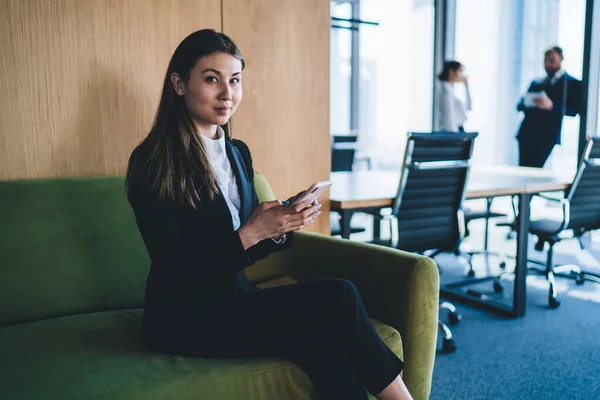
455, 75
213, 91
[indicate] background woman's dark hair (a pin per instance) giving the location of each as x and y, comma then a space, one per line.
449, 66
171, 162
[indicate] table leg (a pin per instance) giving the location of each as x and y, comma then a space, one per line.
520, 288
345, 217
517, 308
487, 223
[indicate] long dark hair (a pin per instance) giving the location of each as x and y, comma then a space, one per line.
171, 162
449, 66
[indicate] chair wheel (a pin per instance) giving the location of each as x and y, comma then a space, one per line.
448, 346
454, 318
498, 288
553, 302
503, 265
579, 279
471, 273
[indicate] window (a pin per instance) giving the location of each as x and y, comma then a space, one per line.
502, 44
340, 69
395, 74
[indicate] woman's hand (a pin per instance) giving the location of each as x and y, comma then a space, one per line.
274, 218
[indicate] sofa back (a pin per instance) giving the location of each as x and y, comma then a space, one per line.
68, 246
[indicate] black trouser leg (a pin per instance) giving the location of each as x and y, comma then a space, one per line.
534, 153
544, 153
526, 156
330, 367
326, 317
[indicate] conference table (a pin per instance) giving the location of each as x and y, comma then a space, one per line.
372, 190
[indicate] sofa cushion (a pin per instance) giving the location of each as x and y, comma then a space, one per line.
99, 355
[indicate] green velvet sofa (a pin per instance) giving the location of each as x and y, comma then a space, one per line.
72, 274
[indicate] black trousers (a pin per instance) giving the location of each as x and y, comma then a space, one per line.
534, 152
321, 326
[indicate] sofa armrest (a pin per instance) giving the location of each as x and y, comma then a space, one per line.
398, 288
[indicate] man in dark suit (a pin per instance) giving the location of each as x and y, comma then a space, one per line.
541, 127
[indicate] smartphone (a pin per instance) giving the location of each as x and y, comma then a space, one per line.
313, 192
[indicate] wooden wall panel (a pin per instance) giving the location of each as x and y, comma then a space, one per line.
284, 116
80, 80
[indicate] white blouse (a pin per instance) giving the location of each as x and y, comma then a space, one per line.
451, 112
224, 174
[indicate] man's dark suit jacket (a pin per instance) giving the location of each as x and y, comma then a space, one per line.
197, 259
545, 126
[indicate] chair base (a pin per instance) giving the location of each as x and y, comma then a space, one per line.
448, 344
502, 259
566, 271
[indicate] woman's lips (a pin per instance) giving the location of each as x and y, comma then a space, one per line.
222, 110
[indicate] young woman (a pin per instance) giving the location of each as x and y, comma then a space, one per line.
451, 111
191, 188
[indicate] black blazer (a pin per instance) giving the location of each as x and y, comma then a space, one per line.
197, 258
546, 125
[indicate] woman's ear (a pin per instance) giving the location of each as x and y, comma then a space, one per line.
177, 83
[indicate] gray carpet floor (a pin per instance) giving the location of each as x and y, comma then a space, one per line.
548, 354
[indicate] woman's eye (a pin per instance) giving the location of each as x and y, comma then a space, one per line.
211, 79
235, 80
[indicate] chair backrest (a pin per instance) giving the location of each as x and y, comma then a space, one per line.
342, 159
435, 132
345, 138
269, 267
343, 149
432, 189
584, 193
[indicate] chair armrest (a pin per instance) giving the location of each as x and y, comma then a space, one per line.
397, 288
565, 208
549, 198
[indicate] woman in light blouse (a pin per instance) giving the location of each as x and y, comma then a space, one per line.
191, 188
451, 111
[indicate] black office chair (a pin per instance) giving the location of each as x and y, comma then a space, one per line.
336, 228
472, 215
343, 149
428, 206
581, 214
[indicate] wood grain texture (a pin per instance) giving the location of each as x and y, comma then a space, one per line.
284, 117
80, 80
